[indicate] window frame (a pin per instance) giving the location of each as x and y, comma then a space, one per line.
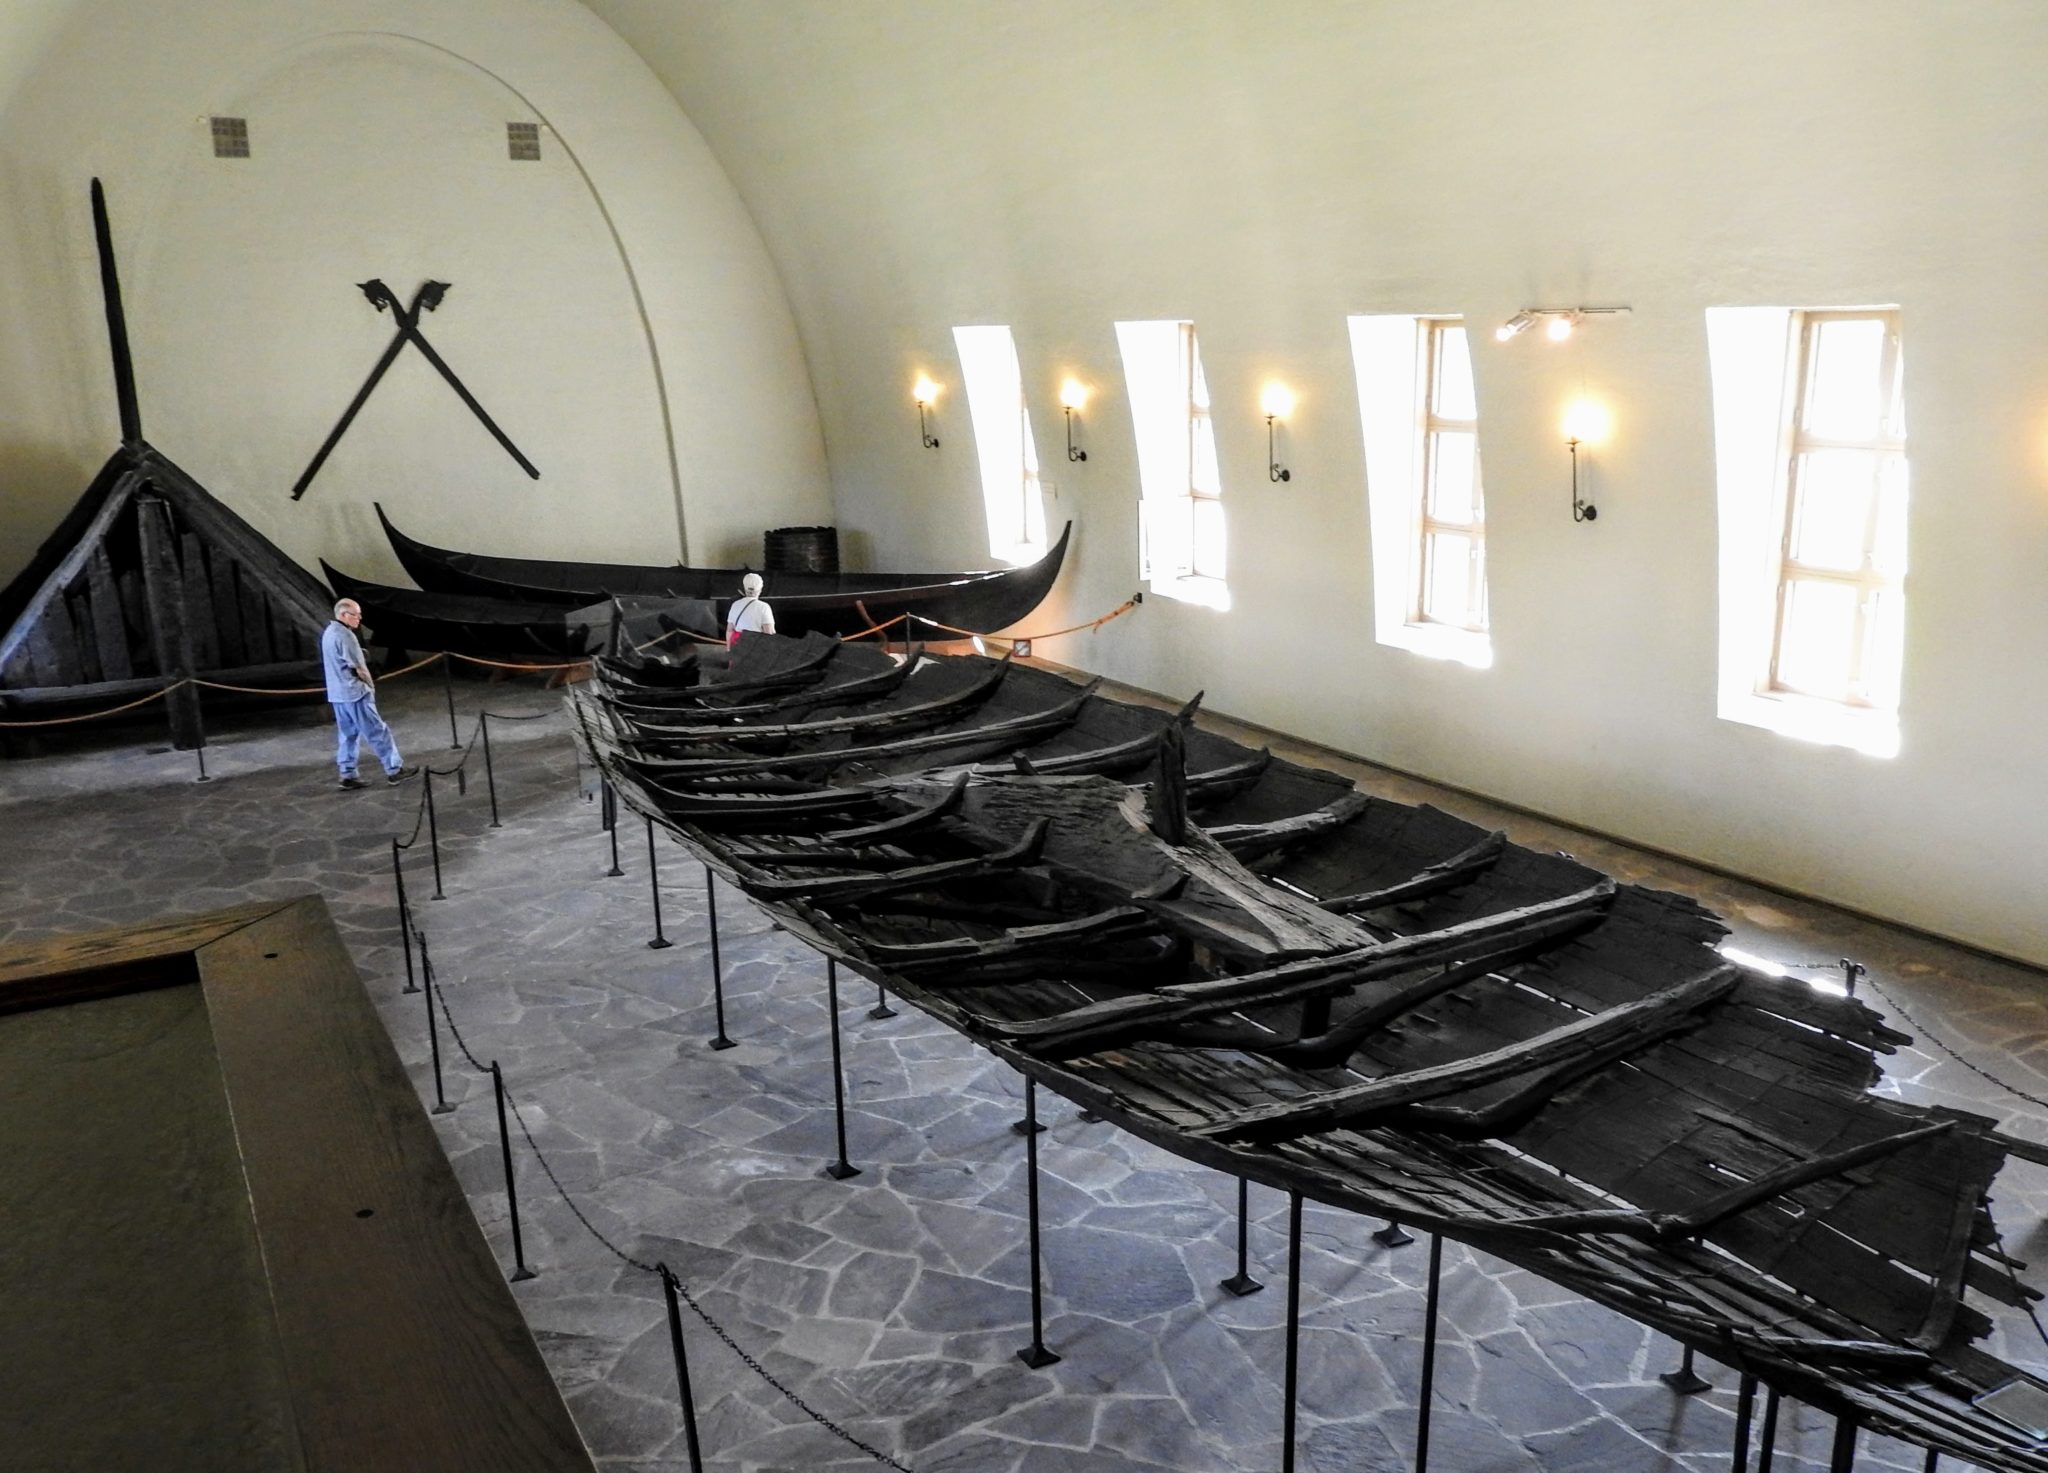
1887, 444
1432, 425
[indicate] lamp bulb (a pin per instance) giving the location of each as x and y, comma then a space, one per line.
1073, 394
924, 391
1558, 329
1277, 401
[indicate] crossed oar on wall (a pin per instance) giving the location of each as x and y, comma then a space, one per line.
426, 299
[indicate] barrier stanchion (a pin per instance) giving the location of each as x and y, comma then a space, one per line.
200, 752
490, 777
611, 824
521, 1271
841, 1169
881, 1009
441, 1105
448, 690
717, 968
1428, 1389
660, 942
404, 915
433, 833
675, 1339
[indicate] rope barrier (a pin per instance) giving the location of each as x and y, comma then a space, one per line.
547, 1168
1116, 613
97, 715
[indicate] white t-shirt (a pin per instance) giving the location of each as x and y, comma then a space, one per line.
749, 615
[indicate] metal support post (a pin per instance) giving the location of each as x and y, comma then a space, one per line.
1933, 1461
717, 969
490, 777
1745, 1409
1436, 1264
520, 1271
404, 916
1034, 1355
841, 1169
669, 1285
441, 1105
1391, 1236
1242, 1283
200, 752
660, 942
1685, 1380
1769, 1435
881, 1009
448, 690
1852, 972
433, 831
1843, 1459
1290, 1392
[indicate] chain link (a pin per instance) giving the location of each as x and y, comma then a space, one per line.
642, 1265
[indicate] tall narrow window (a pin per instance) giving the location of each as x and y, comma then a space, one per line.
1450, 580
1419, 413
1810, 459
1183, 539
1840, 608
1010, 489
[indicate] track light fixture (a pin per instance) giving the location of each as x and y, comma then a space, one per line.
924, 392
1558, 322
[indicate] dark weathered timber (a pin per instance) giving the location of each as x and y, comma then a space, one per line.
829, 603
110, 634
164, 592
1562, 1030
125, 398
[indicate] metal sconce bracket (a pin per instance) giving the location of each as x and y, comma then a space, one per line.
1072, 453
1582, 511
1274, 470
931, 441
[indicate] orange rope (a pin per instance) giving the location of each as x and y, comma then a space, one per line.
303, 690
96, 715
509, 665
1116, 613
872, 628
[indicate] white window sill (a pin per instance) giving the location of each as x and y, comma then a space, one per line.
1442, 642
1212, 593
1805, 718
1018, 554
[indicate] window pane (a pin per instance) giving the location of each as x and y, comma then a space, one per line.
1832, 519
1204, 479
1447, 578
1454, 375
1451, 475
1845, 396
1817, 639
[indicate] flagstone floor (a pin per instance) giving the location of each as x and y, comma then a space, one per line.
892, 1305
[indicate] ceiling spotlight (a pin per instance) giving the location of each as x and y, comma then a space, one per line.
1519, 323
1560, 326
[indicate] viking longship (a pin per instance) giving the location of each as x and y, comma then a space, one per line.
830, 603
1382, 1008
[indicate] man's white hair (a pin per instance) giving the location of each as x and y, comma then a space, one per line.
343, 605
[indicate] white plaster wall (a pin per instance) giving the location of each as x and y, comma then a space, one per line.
1268, 169
612, 307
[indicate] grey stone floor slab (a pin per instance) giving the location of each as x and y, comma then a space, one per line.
893, 1304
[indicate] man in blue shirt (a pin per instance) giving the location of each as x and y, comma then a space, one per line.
354, 698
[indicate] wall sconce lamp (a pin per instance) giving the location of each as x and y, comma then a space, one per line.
1585, 423
1559, 323
1277, 400
1073, 396
924, 392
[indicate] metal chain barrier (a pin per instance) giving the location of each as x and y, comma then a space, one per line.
1922, 1035
725, 1336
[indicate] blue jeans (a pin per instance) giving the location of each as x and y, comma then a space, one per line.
358, 721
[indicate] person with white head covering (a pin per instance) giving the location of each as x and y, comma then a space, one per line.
750, 613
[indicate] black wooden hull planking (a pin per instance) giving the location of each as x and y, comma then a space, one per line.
1403, 1015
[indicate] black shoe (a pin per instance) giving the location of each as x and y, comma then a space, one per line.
352, 783
395, 778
